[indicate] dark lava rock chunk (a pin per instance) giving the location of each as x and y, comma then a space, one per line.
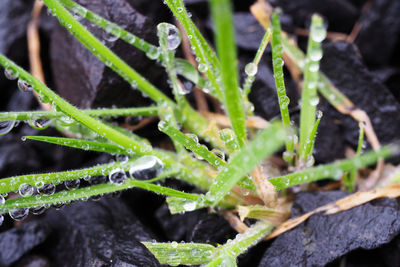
16, 242
85, 81
102, 233
379, 33
340, 14
347, 72
322, 239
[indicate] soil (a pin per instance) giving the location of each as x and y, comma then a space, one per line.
107, 232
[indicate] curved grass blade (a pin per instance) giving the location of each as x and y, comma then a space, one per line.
175, 254
309, 97
82, 144
221, 11
199, 45
245, 160
349, 181
311, 139
119, 112
280, 85
334, 170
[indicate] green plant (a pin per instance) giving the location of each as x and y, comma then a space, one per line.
224, 180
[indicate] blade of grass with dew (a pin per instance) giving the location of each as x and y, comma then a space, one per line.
280, 86
175, 254
73, 112
192, 120
349, 181
183, 67
333, 170
245, 160
119, 112
201, 150
252, 67
221, 11
308, 151
309, 97
163, 30
81, 144
208, 60
86, 192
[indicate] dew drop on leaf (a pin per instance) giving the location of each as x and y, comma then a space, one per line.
251, 69
146, 167
19, 214
10, 74
72, 184
24, 86
40, 124
38, 210
26, 190
6, 127
47, 189
117, 176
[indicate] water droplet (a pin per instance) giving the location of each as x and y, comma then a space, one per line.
10, 74
174, 244
284, 101
146, 167
2, 200
6, 127
153, 52
100, 179
190, 206
40, 124
279, 62
121, 158
19, 214
38, 210
193, 137
26, 190
319, 114
1, 219
180, 9
251, 69
66, 121
319, 34
314, 101
226, 135
117, 176
58, 206
314, 66
24, 86
173, 37
202, 67
310, 161
72, 184
220, 154
111, 34
315, 54
162, 125
47, 189
287, 156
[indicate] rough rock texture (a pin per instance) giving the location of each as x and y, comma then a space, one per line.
380, 31
15, 242
340, 14
375, 98
103, 233
322, 239
93, 83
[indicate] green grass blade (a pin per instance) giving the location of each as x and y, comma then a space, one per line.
280, 85
349, 181
245, 160
333, 170
309, 97
104, 53
81, 144
223, 260
311, 141
71, 111
118, 112
221, 11
252, 68
199, 44
63, 197
177, 253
